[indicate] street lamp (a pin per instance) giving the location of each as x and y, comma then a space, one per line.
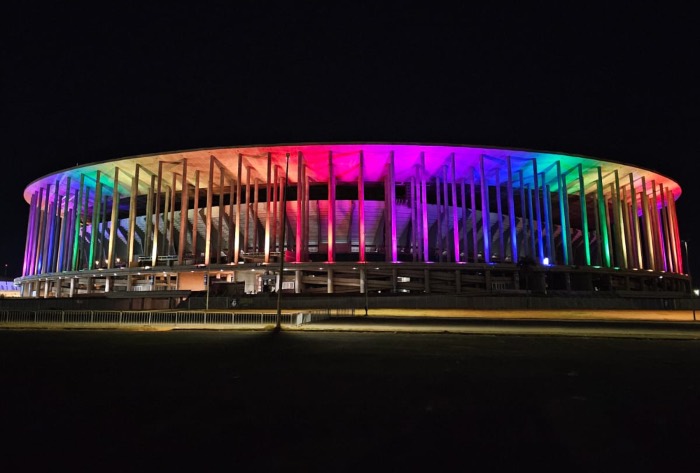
278, 316
206, 284
690, 277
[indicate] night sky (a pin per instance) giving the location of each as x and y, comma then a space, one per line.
81, 85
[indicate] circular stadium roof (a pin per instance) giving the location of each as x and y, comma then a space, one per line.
346, 157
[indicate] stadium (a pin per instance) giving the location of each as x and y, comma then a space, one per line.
350, 218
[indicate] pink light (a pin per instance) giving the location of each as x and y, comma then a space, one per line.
345, 161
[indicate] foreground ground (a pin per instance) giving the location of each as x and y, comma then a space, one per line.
301, 401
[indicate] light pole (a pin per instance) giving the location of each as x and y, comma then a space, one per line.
278, 316
366, 294
690, 277
206, 283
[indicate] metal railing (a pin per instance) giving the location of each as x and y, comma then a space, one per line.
172, 318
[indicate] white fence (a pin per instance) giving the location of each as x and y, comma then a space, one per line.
161, 318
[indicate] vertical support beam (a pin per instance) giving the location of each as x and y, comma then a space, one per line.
455, 216
424, 209
246, 230
237, 237
584, 214
222, 211
95, 220
210, 191
232, 229
485, 213
414, 219
52, 240
658, 234
446, 218
300, 209
614, 224
170, 246
36, 245
532, 223
49, 213
148, 239
26, 271
156, 223
419, 219
331, 209
438, 223
392, 207
165, 247
627, 225
602, 213
114, 219
26, 262
55, 228
548, 221
619, 224
636, 231
465, 229
361, 207
256, 240
195, 215
538, 211
184, 210
565, 229
511, 215
131, 239
598, 238
306, 219
671, 230
550, 224
39, 232
268, 207
674, 219
646, 221
71, 231
68, 245
275, 198
283, 219
665, 232
475, 229
525, 230
63, 237
499, 211
101, 247
329, 280
83, 244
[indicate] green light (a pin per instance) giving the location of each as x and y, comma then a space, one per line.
603, 218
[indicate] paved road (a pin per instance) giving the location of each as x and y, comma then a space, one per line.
341, 401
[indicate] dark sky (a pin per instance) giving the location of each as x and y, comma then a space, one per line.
81, 84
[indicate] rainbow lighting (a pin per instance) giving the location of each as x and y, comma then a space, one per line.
358, 218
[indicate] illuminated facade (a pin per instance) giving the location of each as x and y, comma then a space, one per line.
358, 218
